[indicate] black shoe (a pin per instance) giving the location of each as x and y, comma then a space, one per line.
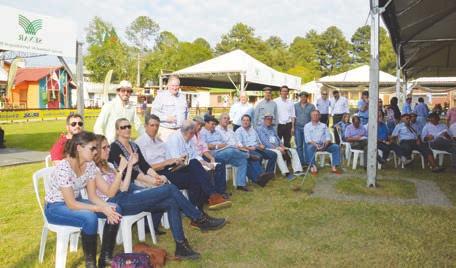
107, 244
243, 188
206, 223
185, 252
89, 246
264, 178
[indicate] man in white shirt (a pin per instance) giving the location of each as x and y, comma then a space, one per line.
323, 105
171, 107
286, 116
239, 109
339, 107
119, 107
438, 137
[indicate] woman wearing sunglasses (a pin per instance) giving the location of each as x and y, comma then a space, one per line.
154, 194
65, 206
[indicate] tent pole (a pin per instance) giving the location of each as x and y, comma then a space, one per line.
398, 77
80, 78
242, 82
373, 96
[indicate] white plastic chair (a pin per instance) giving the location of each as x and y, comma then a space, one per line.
48, 161
440, 154
380, 153
229, 169
322, 156
415, 152
64, 233
164, 219
356, 156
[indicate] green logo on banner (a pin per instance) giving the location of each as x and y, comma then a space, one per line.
30, 27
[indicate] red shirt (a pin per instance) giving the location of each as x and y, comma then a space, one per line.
57, 148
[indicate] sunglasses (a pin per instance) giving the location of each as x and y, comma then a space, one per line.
106, 147
124, 127
126, 91
73, 124
93, 148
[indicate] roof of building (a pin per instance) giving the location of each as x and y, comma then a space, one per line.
33, 74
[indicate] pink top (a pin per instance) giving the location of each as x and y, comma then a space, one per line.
451, 116
109, 178
201, 146
63, 176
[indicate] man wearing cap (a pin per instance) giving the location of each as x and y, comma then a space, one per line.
407, 107
302, 111
272, 142
119, 107
239, 109
409, 141
323, 104
74, 125
224, 152
438, 137
171, 107
339, 107
286, 116
267, 105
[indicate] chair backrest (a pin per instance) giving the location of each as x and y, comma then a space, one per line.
45, 174
48, 161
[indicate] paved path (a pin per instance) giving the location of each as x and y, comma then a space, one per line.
12, 156
428, 193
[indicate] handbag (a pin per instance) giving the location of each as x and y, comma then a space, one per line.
157, 256
131, 260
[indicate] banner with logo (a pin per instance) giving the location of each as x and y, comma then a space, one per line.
41, 114
35, 33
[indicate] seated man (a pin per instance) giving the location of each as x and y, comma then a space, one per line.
409, 141
318, 138
271, 141
219, 169
418, 126
74, 125
250, 142
356, 135
384, 143
437, 136
162, 157
225, 153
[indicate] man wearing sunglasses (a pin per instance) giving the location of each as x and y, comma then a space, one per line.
74, 125
119, 107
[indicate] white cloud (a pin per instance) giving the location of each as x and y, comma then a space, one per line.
190, 19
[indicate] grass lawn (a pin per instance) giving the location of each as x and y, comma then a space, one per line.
386, 188
270, 227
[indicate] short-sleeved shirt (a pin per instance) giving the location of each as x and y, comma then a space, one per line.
363, 114
404, 133
303, 113
238, 110
352, 131
247, 137
421, 109
323, 105
318, 133
434, 130
58, 148
64, 177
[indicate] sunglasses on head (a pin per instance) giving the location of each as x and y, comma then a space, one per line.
73, 124
124, 127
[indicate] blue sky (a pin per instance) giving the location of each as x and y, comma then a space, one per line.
190, 19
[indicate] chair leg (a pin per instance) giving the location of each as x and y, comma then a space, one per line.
441, 159
355, 160
126, 237
422, 161
164, 220
74, 238
101, 224
61, 249
151, 227
44, 234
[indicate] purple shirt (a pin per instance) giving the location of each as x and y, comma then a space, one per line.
351, 131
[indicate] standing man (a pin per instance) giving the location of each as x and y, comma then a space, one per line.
339, 107
407, 107
239, 109
363, 107
74, 125
171, 107
286, 116
119, 107
323, 105
422, 111
302, 111
267, 105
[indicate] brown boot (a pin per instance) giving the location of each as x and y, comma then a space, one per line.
216, 201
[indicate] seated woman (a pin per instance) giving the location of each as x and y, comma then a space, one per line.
65, 206
342, 125
158, 196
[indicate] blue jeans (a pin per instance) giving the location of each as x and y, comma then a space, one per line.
219, 175
300, 144
236, 158
254, 169
332, 148
268, 155
59, 213
164, 198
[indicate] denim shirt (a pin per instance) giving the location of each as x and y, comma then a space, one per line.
268, 137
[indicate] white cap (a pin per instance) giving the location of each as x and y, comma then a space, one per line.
124, 84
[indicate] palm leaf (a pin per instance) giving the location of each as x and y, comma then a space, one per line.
24, 22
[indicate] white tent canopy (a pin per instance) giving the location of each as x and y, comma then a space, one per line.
359, 75
235, 69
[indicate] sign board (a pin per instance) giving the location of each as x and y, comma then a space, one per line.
35, 33
41, 114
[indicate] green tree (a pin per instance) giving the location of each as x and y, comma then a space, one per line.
99, 31
142, 31
332, 50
